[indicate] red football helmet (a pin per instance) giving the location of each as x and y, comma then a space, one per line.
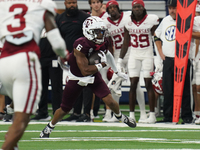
109, 74
157, 83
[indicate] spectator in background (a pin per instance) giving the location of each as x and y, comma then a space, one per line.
103, 7
115, 24
139, 30
96, 8
166, 33
50, 71
70, 25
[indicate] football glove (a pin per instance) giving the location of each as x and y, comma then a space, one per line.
119, 65
122, 75
102, 55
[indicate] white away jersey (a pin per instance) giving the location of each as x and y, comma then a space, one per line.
140, 35
116, 29
17, 16
196, 28
104, 15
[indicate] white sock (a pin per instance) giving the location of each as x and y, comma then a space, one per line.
140, 97
132, 114
143, 114
91, 112
156, 110
51, 125
151, 114
108, 111
197, 113
118, 115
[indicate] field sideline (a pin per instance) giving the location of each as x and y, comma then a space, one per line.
108, 136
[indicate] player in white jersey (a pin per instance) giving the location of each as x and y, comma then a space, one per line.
21, 23
139, 30
196, 28
115, 24
2, 98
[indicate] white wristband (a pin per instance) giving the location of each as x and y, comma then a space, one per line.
99, 66
120, 60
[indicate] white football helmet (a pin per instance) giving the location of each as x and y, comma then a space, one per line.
94, 29
157, 83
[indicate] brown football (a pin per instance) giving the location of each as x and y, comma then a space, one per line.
94, 58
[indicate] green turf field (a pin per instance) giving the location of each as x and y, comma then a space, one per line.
98, 135
107, 137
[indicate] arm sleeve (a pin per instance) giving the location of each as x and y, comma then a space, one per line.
111, 61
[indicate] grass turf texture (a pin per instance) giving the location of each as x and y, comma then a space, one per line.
97, 137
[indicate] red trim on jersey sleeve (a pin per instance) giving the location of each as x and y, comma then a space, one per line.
101, 14
44, 15
140, 22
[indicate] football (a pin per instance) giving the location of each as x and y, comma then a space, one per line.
94, 58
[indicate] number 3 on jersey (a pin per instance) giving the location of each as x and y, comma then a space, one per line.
19, 16
141, 40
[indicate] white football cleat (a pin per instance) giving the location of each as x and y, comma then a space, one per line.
113, 119
151, 119
142, 119
107, 117
197, 121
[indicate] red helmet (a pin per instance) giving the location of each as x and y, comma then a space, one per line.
157, 83
109, 74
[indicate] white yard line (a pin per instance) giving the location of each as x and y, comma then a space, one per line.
146, 140
157, 125
80, 131
120, 149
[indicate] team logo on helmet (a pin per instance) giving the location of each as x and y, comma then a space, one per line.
94, 29
157, 82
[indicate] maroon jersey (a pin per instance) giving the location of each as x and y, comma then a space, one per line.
86, 47
72, 88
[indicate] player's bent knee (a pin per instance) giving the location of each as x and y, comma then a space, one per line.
63, 111
108, 100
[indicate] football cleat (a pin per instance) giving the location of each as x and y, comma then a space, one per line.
107, 117
2, 115
197, 121
46, 131
129, 121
